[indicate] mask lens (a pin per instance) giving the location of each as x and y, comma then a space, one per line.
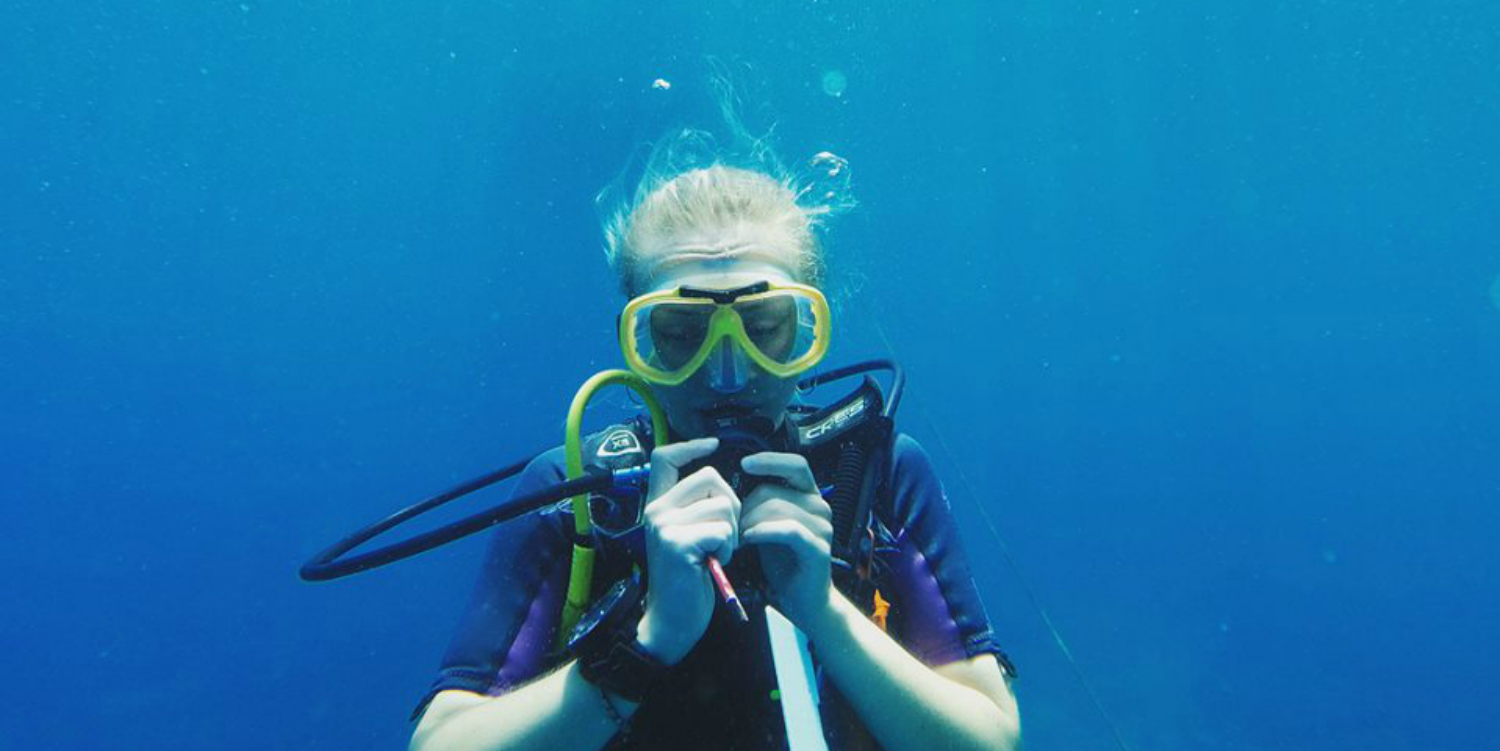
783, 326
668, 334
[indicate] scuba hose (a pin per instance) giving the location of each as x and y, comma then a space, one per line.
330, 563
581, 481
846, 425
581, 574
851, 469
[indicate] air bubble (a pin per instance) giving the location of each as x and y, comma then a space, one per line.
831, 164
825, 184
835, 83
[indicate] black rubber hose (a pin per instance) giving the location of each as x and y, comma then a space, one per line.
847, 479
892, 397
327, 565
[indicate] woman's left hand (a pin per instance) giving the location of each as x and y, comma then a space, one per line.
789, 517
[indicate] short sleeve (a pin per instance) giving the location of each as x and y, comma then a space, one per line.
507, 634
936, 612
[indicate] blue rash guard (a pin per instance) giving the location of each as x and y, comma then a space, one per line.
720, 695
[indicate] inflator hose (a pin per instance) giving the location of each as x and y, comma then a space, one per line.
326, 565
581, 482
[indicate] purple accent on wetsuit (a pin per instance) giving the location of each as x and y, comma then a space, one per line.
505, 637
928, 628
524, 660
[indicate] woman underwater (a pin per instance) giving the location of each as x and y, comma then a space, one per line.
722, 267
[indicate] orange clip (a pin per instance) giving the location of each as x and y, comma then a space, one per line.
882, 608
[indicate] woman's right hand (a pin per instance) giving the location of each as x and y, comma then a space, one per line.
686, 520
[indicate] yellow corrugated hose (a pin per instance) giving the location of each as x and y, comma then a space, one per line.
581, 573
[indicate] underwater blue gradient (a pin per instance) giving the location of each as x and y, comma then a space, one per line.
1200, 303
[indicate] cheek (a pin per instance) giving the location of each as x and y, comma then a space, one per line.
773, 393
679, 401
672, 397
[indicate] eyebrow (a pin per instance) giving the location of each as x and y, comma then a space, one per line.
681, 311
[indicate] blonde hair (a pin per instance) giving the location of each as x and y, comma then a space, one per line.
707, 200
694, 186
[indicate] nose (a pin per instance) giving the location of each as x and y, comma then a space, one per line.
729, 369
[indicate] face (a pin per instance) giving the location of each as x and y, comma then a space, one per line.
748, 389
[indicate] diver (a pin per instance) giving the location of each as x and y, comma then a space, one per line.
722, 267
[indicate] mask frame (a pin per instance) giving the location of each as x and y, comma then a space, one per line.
725, 322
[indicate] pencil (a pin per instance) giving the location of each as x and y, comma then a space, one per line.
726, 590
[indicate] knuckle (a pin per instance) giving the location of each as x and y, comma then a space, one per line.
710, 475
667, 535
713, 507
653, 513
725, 505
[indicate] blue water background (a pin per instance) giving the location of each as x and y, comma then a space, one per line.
1197, 298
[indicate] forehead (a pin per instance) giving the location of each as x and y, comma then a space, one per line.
720, 257
717, 272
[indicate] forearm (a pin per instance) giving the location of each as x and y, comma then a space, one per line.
560, 710
876, 674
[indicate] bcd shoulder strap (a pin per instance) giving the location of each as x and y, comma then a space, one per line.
849, 444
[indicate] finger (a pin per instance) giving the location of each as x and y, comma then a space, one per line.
718, 508
809, 502
787, 533
777, 509
667, 462
705, 483
693, 542
791, 469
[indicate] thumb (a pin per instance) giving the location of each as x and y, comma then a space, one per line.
667, 462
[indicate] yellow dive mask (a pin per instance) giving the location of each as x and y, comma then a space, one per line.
782, 327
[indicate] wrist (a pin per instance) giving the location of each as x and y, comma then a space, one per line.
656, 643
606, 645
826, 622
